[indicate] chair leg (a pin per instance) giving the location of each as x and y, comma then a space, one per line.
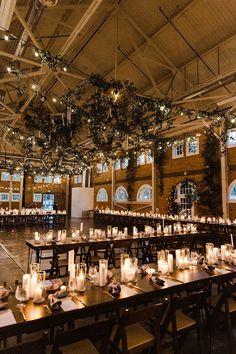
229, 334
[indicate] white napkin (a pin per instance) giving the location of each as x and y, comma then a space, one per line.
6, 318
222, 271
68, 305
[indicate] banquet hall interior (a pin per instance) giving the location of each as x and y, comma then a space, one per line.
117, 176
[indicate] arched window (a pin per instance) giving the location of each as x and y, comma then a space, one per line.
121, 194
144, 193
232, 192
102, 195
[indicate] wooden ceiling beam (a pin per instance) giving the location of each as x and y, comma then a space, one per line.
27, 29
24, 76
15, 57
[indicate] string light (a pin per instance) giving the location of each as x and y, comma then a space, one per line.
6, 37
54, 99
64, 68
9, 69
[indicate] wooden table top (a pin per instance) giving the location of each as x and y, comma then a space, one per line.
42, 245
93, 301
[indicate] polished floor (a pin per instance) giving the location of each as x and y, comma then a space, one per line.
13, 262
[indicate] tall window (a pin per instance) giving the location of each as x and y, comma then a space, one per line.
232, 192
78, 179
192, 146
105, 167
149, 157
141, 159
125, 163
184, 193
177, 150
117, 164
102, 195
121, 194
99, 168
144, 193
231, 141
48, 179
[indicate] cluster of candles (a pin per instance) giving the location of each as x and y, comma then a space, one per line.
60, 237
128, 268
150, 214
29, 211
111, 232
226, 253
78, 273
32, 283
165, 262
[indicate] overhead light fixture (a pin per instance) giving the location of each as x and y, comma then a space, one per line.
6, 12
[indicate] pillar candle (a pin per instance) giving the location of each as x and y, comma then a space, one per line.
177, 257
33, 284
223, 248
80, 282
38, 294
170, 263
81, 226
26, 284
71, 259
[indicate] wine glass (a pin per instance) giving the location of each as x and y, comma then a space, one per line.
21, 296
93, 272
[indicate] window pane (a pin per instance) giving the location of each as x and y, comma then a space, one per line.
105, 167
4, 197
38, 179
5, 176
192, 146
57, 179
231, 137
121, 194
149, 156
125, 162
141, 159
48, 179
102, 195
145, 193
16, 177
37, 197
99, 168
178, 150
117, 164
78, 179
15, 197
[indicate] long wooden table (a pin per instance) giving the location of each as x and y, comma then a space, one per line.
163, 242
94, 301
32, 219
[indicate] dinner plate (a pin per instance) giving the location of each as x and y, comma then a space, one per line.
4, 292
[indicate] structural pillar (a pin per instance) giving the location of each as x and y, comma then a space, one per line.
113, 185
154, 186
224, 181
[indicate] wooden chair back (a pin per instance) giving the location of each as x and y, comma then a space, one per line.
97, 331
37, 346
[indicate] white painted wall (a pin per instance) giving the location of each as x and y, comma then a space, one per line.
81, 200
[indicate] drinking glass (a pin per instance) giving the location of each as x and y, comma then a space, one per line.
93, 272
21, 296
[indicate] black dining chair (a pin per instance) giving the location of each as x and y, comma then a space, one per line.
130, 336
35, 346
224, 304
90, 339
186, 314
117, 248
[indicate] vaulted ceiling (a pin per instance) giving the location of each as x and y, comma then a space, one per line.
184, 50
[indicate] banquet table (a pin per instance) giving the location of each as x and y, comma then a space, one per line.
139, 243
94, 301
32, 219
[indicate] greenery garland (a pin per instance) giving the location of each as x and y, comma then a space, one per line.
159, 152
210, 187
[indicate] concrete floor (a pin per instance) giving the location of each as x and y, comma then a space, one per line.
13, 261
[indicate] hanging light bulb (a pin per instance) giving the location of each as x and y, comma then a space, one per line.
54, 99
33, 86
6, 37
9, 69
36, 54
64, 68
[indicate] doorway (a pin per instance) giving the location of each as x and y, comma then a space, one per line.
48, 201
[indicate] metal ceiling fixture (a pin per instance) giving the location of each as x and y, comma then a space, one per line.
49, 3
